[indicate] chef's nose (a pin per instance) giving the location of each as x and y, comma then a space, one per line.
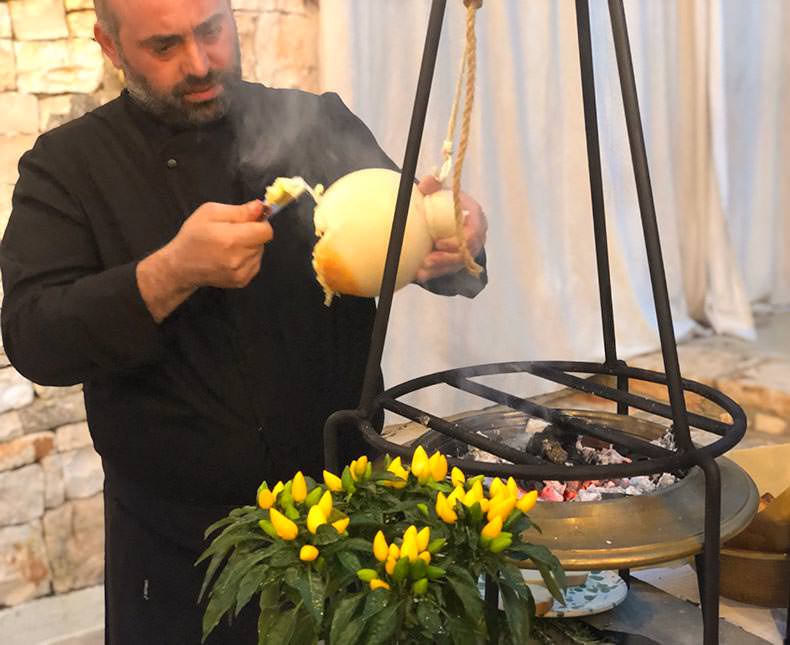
196, 62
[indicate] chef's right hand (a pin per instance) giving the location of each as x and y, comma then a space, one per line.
220, 245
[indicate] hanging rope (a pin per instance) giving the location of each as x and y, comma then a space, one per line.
468, 72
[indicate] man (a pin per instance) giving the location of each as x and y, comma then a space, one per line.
136, 262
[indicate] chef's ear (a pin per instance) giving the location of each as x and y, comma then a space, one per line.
108, 45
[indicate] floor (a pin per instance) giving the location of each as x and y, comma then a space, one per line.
723, 362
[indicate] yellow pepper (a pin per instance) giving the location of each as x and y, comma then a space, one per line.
325, 504
473, 495
444, 511
425, 556
315, 518
308, 553
437, 465
265, 498
389, 567
457, 494
341, 525
380, 547
512, 487
394, 551
492, 529
332, 482
501, 508
278, 488
397, 469
378, 584
527, 501
358, 468
423, 538
299, 487
419, 464
409, 547
496, 486
285, 528
457, 476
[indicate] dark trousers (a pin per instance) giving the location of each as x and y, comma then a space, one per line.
151, 583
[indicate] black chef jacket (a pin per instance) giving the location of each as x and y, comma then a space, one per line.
235, 385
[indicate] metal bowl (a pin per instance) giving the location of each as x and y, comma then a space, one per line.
626, 532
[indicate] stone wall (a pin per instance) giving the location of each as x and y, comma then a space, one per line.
51, 71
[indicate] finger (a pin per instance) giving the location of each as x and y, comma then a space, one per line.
249, 212
439, 260
252, 234
429, 184
447, 244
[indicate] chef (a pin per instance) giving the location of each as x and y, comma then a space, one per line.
137, 261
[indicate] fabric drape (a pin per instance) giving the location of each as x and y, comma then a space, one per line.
716, 177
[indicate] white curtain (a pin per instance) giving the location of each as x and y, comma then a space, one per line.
711, 104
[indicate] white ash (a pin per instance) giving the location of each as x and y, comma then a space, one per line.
590, 491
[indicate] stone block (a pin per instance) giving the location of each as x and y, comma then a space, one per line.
26, 450
24, 572
38, 19
15, 390
5, 21
11, 149
286, 46
72, 437
82, 473
46, 414
54, 490
704, 360
21, 495
57, 110
49, 392
74, 535
20, 113
7, 65
78, 5
59, 66
247, 24
765, 387
769, 424
10, 426
81, 23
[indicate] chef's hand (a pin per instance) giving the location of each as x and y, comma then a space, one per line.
446, 257
219, 245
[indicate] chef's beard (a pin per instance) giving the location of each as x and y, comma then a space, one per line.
171, 106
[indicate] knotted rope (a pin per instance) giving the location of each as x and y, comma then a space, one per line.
469, 72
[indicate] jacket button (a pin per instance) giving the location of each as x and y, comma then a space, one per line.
172, 163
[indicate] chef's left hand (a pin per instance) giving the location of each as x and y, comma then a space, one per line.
446, 257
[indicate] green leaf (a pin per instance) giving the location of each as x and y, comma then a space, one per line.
281, 629
284, 558
382, 626
270, 596
429, 617
460, 631
266, 620
374, 603
343, 613
349, 561
465, 588
249, 584
517, 617
350, 635
358, 544
311, 588
549, 566
326, 534
217, 525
